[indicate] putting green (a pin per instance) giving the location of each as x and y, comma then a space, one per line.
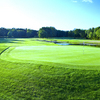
70, 55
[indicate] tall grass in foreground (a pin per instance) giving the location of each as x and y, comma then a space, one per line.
19, 81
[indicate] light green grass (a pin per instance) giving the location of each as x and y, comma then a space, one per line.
63, 55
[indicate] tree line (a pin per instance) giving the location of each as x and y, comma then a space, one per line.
18, 33
48, 32
91, 33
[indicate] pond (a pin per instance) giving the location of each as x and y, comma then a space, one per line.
63, 43
86, 44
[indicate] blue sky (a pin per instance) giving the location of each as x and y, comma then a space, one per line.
61, 14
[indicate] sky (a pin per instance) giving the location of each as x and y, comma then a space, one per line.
61, 14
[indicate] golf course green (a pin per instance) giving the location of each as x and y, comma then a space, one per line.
68, 55
39, 70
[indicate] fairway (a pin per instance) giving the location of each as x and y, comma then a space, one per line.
69, 55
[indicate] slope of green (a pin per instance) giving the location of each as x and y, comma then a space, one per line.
33, 81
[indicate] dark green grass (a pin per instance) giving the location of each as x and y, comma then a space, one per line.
31, 81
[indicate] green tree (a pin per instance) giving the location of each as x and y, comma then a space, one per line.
77, 32
21, 33
91, 33
46, 32
88, 34
53, 32
3, 32
98, 33
14, 32
61, 33
82, 34
31, 33
42, 33
9, 34
71, 34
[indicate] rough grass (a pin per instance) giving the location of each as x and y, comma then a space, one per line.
31, 81
21, 81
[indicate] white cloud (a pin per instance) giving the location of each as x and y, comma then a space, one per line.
87, 1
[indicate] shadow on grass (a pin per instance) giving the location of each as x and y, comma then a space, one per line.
10, 40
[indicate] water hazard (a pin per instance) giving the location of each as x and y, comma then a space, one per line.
63, 43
